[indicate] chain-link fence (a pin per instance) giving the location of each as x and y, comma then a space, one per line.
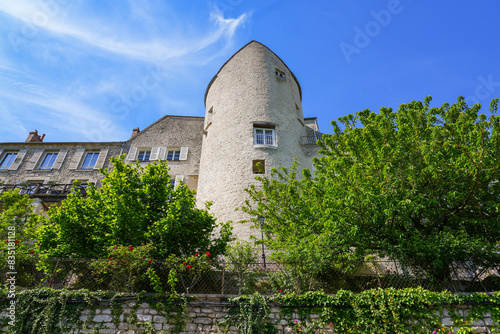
220, 277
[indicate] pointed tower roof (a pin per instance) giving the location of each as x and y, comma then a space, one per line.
247, 45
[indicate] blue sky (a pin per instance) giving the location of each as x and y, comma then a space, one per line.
94, 70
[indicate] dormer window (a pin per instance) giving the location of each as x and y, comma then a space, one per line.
144, 155
90, 160
48, 160
174, 155
7, 160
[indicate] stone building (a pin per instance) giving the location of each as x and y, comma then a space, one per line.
253, 122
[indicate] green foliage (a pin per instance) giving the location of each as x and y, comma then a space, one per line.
251, 315
386, 311
188, 272
241, 257
418, 185
125, 270
17, 247
300, 236
48, 311
135, 206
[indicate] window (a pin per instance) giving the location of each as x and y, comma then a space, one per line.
173, 155
264, 136
90, 160
279, 73
144, 155
48, 160
7, 160
259, 166
86, 159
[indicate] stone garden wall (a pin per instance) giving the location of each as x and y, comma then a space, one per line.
205, 314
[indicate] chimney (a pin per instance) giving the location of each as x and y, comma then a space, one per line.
135, 132
33, 137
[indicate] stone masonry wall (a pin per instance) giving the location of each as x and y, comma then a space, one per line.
206, 312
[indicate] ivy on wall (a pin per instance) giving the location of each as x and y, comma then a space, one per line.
49, 311
377, 311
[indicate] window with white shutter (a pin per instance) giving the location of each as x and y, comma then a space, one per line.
132, 153
34, 159
77, 157
101, 159
162, 153
184, 153
155, 151
178, 180
61, 155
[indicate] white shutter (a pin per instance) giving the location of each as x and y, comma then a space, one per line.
162, 154
77, 157
132, 153
101, 159
60, 159
154, 153
34, 159
184, 153
178, 180
19, 158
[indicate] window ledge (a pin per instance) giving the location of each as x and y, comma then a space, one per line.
265, 146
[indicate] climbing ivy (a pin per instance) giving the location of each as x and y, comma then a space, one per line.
251, 315
49, 311
373, 311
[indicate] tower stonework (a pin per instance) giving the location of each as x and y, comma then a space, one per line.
253, 123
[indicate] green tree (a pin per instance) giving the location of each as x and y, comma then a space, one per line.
310, 249
419, 185
135, 206
17, 223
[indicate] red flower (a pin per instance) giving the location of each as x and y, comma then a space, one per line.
110, 259
115, 247
38, 244
388, 271
281, 290
189, 266
208, 254
16, 241
131, 248
31, 252
143, 257
111, 262
150, 261
194, 254
184, 263
6, 240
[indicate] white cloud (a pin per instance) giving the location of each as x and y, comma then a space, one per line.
151, 50
78, 59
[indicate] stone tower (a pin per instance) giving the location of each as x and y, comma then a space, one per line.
253, 122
